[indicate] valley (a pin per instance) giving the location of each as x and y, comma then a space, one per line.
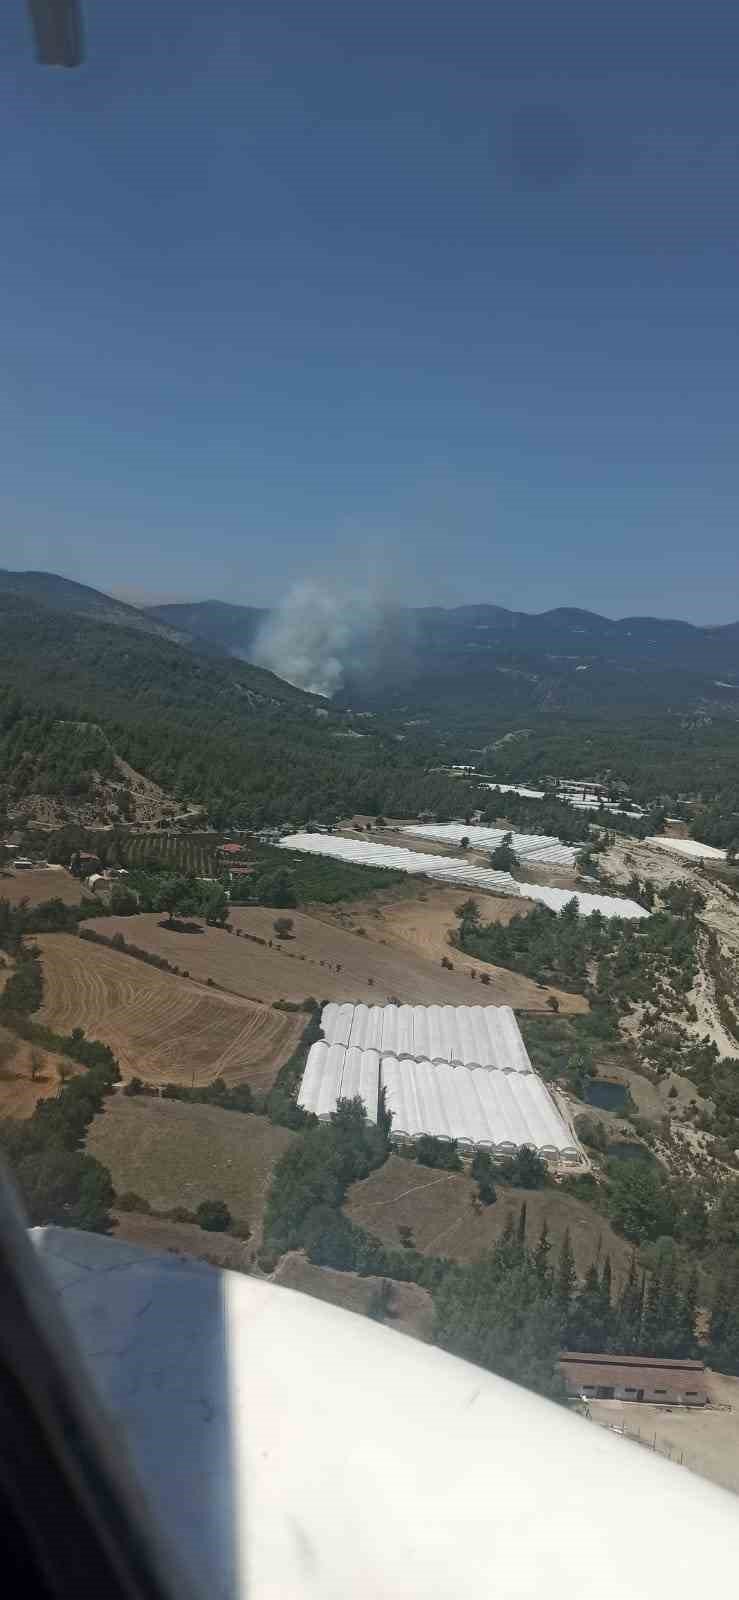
194, 954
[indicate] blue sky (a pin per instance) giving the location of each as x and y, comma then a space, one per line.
440, 295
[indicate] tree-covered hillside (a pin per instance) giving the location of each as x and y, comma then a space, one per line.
228, 735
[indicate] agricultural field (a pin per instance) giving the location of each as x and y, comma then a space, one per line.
19, 1092
410, 1310
173, 1154
40, 883
160, 1026
181, 852
420, 925
326, 960
437, 1207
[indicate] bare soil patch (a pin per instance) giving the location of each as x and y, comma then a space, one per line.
411, 1308
174, 1154
40, 883
438, 1207
161, 1027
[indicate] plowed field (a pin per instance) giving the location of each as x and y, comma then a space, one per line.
160, 1027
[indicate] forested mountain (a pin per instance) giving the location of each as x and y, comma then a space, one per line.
220, 731
62, 594
223, 733
230, 628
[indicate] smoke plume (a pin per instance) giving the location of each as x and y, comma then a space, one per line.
320, 634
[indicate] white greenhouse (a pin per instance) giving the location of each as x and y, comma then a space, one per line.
531, 848
455, 1072
363, 853
472, 1036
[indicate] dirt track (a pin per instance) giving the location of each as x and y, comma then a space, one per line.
326, 960
160, 1027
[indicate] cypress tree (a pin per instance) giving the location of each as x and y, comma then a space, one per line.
521, 1229
566, 1275
541, 1254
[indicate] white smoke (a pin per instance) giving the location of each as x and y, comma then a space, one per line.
318, 634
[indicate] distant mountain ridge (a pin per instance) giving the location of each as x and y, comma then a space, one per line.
565, 630
228, 627
64, 594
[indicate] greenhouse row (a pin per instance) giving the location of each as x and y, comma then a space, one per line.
364, 853
478, 1107
531, 848
480, 1036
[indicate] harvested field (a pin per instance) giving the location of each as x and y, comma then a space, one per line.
438, 1207
41, 883
19, 1092
411, 1309
326, 959
160, 1027
174, 1154
421, 924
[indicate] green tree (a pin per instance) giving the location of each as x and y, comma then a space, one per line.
67, 1188
629, 1312
215, 905
504, 857
541, 1253
566, 1276
178, 897
640, 1205
275, 889
213, 1215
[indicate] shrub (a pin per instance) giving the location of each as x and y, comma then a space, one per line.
213, 1215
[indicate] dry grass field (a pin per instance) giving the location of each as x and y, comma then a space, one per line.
174, 1154
19, 1092
437, 1206
160, 1027
40, 883
184, 1239
410, 1311
420, 925
398, 955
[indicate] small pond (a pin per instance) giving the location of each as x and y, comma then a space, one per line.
606, 1094
628, 1150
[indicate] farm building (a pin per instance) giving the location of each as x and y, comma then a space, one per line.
647, 1378
452, 1072
448, 869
